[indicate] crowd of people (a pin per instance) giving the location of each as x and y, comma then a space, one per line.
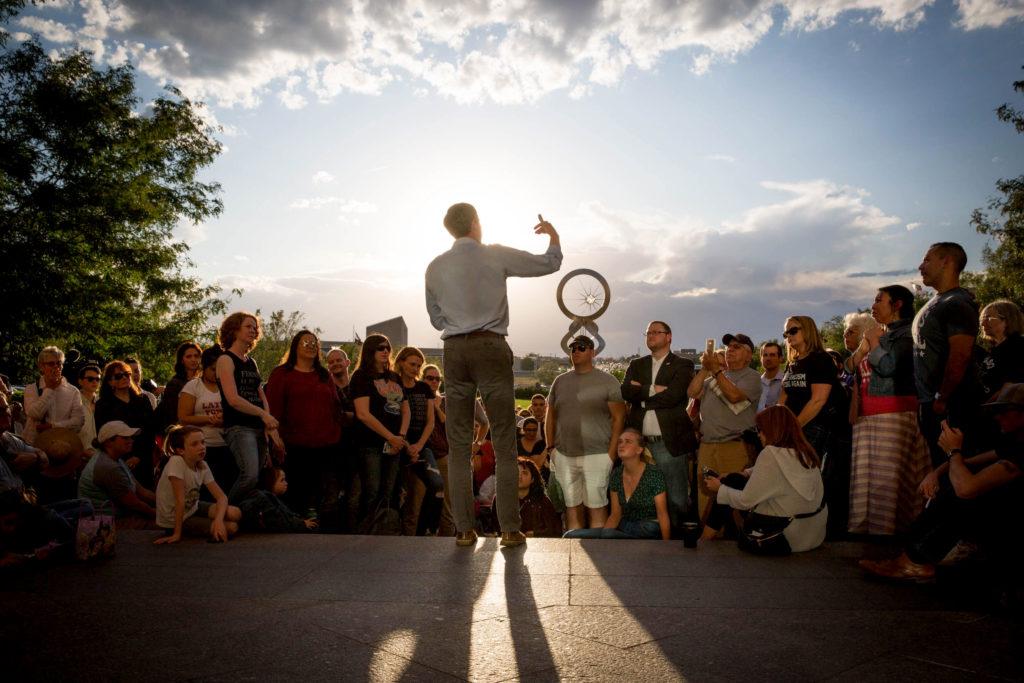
913, 431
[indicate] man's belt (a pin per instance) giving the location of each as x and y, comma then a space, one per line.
474, 334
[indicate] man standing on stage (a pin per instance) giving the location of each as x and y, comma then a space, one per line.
467, 300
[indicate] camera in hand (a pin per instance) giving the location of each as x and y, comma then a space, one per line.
708, 472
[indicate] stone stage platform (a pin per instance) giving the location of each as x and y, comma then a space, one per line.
310, 608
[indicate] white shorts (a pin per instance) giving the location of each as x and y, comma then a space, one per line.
583, 478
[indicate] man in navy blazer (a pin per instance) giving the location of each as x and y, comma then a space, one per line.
655, 387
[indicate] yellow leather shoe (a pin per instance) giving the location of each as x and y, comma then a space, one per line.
465, 539
510, 539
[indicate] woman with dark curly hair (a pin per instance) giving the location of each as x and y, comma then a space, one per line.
187, 366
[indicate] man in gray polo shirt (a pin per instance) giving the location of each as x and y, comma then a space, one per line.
467, 300
585, 416
106, 479
728, 403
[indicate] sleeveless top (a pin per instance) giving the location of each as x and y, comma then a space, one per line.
247, 383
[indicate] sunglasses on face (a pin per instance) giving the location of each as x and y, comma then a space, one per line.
579, 348
95, 378
529, 429
120, 375
383, 348
431, 378
53, 363
310, 344
791, 331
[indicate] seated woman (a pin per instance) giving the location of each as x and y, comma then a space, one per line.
638, 495
531, 445
535, 509
784, 482
975, 498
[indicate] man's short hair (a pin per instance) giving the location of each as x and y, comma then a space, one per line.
459, 219
87, 367
50, 352
536, 396
668, 330
953, 251
777, 346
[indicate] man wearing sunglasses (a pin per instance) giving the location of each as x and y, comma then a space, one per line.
51, 401
586, 415
467, 300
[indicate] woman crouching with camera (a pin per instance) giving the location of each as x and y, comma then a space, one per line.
783, 490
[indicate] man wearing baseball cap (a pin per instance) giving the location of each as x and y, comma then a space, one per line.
107, 480
976, 498
728, 403
586, 415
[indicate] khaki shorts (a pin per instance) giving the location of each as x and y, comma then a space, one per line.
583, 478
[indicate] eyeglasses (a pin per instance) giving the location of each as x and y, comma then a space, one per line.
53, 363
529, 429
91, 378
120, 375
791, 331
992, 317
579, 348
383, 348
648, 333
431, 378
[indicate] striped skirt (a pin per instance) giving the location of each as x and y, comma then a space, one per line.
889, 460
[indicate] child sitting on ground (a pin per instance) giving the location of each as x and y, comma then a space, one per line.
178, 508
263, 509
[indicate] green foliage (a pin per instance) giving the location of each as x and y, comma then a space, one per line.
831, 332
528, 364
91, 189
278, 331
547, 373
1003, 277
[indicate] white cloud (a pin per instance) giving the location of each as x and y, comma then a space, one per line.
695, 292
241, 258
191, 233
976, 14
322, 178
341, 204
914, 226
507, 52
721, 157
49, 29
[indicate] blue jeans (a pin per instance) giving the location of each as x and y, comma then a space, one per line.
379, 473
249, 447
644, 528
677, 478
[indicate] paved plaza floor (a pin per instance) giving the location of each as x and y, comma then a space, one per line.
310, 608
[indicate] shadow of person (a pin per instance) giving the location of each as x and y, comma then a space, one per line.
530, 645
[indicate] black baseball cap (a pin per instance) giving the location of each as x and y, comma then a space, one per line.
740, 337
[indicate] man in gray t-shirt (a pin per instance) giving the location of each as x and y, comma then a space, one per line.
728, 402
585, 416
106, 478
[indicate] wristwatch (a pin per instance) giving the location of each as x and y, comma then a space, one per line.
954, 451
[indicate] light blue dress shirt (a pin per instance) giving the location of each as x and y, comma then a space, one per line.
466, 285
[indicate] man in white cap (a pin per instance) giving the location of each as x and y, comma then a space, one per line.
106, 478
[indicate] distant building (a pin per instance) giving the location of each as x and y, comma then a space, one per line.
394, 329
689, 354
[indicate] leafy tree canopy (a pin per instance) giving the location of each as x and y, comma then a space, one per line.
1004, 223
91, 188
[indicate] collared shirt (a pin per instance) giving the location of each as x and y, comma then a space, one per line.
650, 425
770, 389
465, 285
59, 407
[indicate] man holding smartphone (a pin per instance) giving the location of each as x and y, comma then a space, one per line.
655, 387
728, 403
467, 300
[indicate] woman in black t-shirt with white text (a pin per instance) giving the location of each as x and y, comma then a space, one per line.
382, 421
811, 389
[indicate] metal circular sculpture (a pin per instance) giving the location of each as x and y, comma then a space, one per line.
583, 295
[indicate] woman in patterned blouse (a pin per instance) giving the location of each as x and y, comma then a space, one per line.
637, 493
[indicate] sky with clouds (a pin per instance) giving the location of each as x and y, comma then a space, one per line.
723, 163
